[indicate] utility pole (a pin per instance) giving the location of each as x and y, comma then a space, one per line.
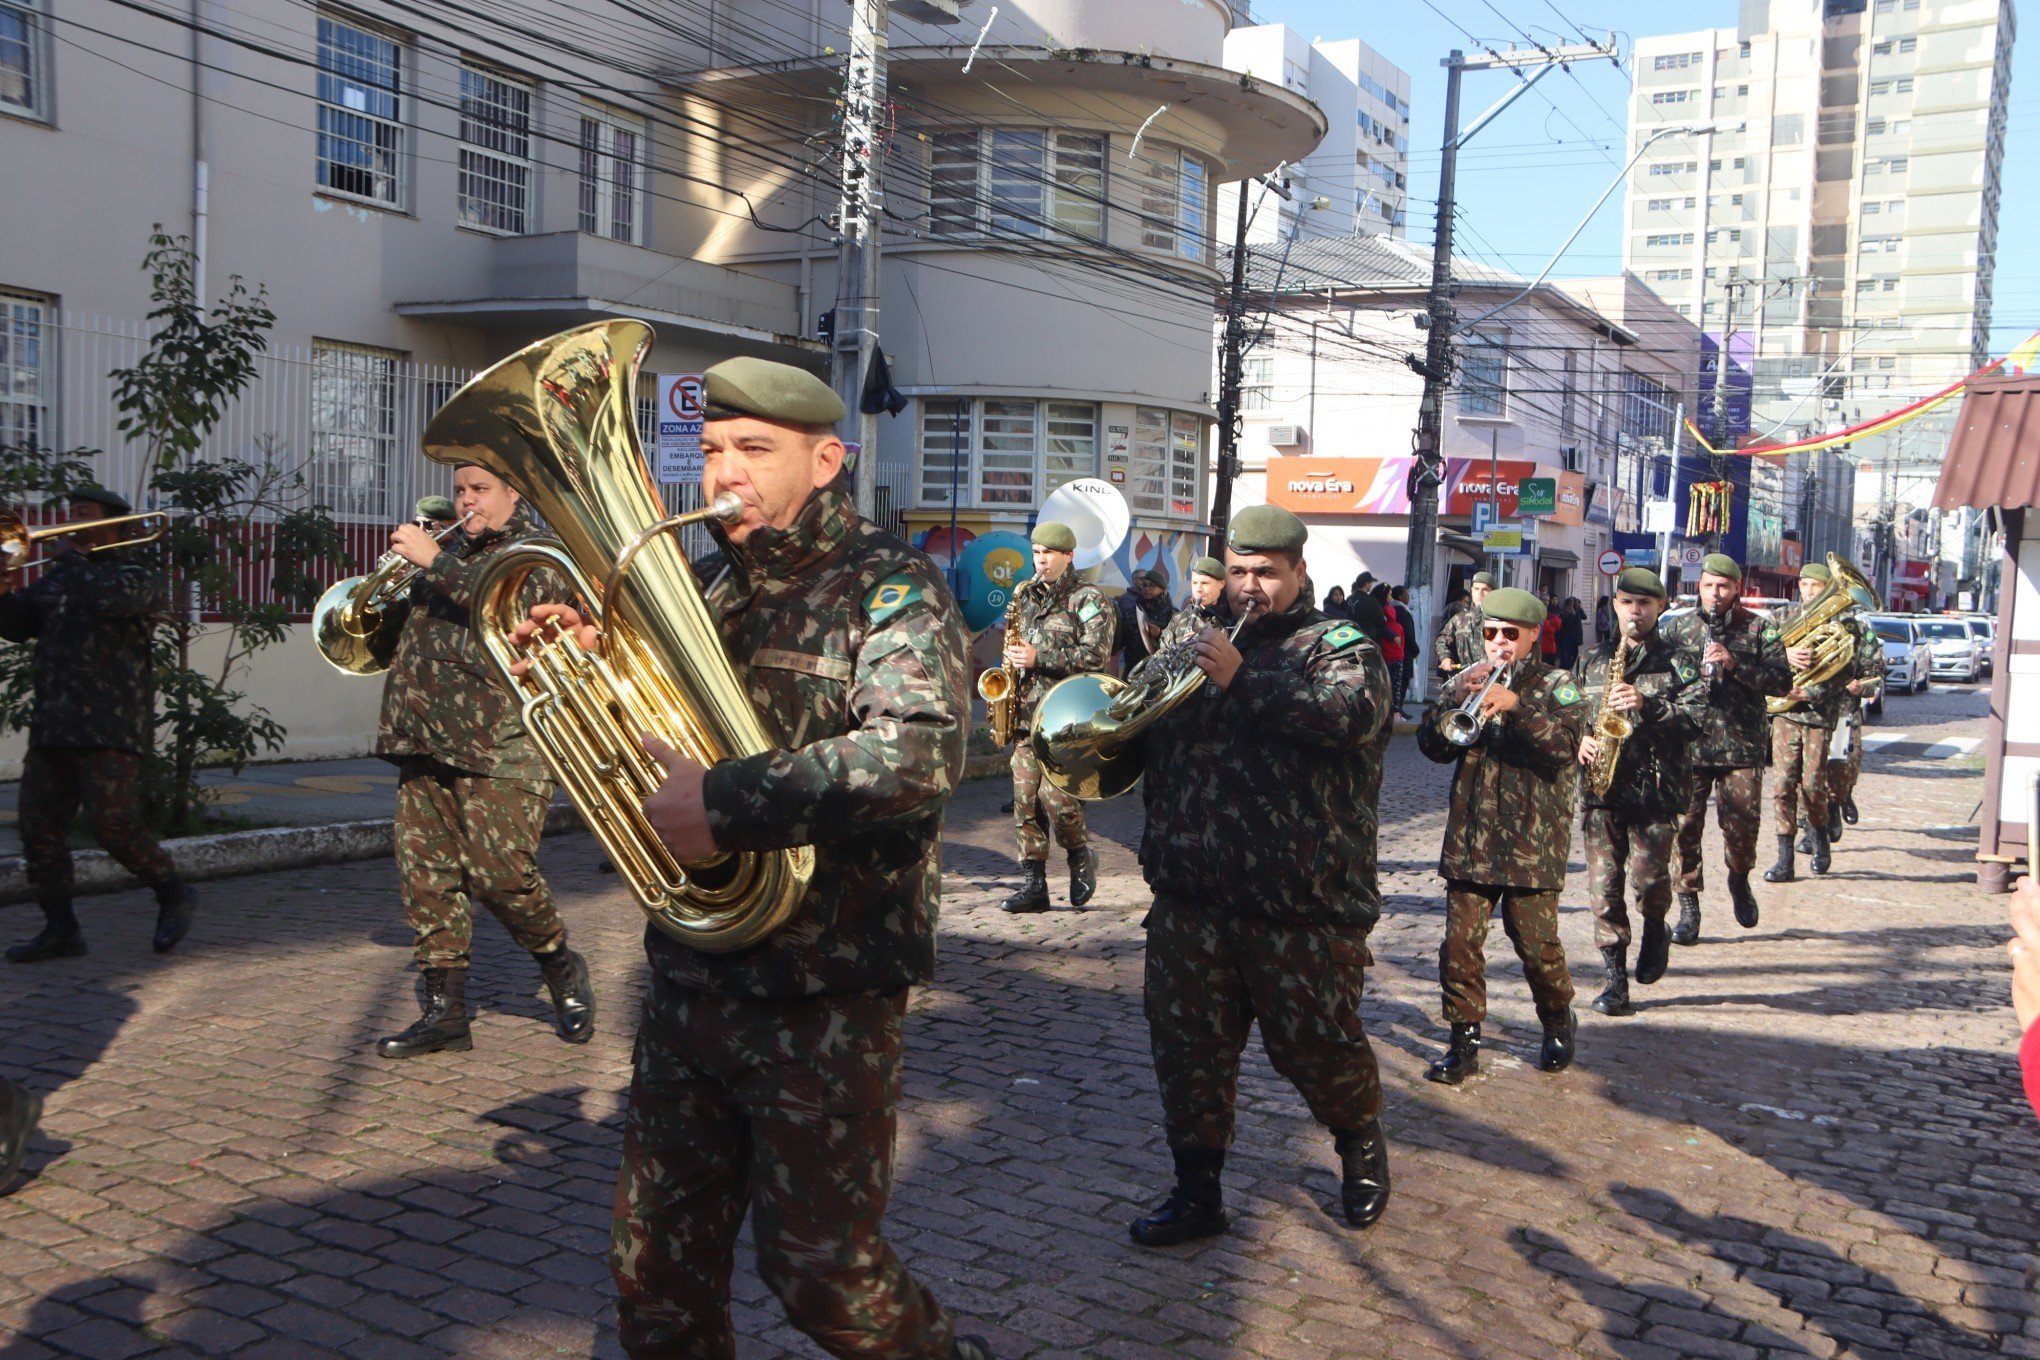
1231, 362
857, 223
1436, 365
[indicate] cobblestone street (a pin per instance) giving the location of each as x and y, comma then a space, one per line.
1809, 1141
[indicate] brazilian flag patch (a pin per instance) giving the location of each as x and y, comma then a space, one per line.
1684, 670
1345, 635
1770, 635
1089, 610
891, 596
1566, 692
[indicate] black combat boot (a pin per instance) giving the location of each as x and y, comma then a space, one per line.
1823, 855
970, 1348
1614, 998
175, 902
19, 1109
442, 1024
1834, 822
1195, 1208
1745, 900
1083, 875
1462, 1058
1782, 871
1805, 846
1032, 894
1653, 952
1849, 810
1363, 1191
1687, 931
59, 938
1559, 1031
573, 995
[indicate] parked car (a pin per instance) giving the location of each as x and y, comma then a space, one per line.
1984, 628
1908, 661
1958, 653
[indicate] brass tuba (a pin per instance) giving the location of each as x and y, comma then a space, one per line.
1819, 626
558, 422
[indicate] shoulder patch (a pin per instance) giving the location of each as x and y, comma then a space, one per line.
1088, 610
1343, 636
1566, 692
1685, 670
890, 596
1770, 635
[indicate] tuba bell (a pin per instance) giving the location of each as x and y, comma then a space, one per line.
558, 422
1819, 626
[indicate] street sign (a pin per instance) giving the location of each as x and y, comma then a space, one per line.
1611, 563
1502, 542
1537, 496
681, 400
1692, 554
1483, 518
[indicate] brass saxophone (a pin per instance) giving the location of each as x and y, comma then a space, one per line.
1611, 729
999, 687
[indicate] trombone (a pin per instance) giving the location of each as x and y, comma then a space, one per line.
16, 538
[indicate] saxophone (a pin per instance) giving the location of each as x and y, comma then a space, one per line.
999, 687
1611, 729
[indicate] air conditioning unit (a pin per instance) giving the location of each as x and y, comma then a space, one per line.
1285, 436
1569, 458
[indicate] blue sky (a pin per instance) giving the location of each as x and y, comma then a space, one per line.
1527, 178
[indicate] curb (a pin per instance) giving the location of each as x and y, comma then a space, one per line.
199, 858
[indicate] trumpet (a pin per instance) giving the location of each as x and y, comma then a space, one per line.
1464, 724
16, 538
357, 621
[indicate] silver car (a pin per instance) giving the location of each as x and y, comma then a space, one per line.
1908, 664
1958, 654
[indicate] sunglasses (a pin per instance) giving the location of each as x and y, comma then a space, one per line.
1492, 631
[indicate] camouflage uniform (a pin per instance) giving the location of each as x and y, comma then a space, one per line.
1734, 743
93, 716
1842, 774
1507, 835
1459, 642
1630, 829
1799, 740
1261, 815
472, 790
1071, 626
769, 1078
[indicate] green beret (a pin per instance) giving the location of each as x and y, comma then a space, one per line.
436, 507
1155, 578
1511, 605
1208, 566
1720, 564
1265, 529
113, 501
1056, 536
765, 390
1640, 581
1483, 578
1815, 571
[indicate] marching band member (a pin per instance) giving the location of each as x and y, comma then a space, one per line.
1742, 663
1509, 830
1799, 743
1631, 825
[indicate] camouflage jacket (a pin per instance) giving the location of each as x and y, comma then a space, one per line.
1458, 642
1180, 631
1827, 702
1735, 731
851, 647
1071, 625
1512, 796
1261, 798
1869, 669
442, 699
1655, 774
90, 617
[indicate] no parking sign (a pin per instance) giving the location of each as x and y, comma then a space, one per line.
681, 399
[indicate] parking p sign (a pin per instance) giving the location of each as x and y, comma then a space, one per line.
681, 399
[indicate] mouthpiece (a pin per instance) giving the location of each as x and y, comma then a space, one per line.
728, 507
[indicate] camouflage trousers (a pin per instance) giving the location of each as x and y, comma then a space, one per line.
787, 1109
1843, 774
1738, 807
1799, 759
1211, 975
1531, 920
1063, 811
464, 839
54, 784
1627, 850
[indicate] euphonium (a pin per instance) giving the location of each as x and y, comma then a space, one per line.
1611, 729
558, 421
1819, 626
999, 687
358, 622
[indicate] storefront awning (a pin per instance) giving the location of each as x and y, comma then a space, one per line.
1558, 557
1464, 543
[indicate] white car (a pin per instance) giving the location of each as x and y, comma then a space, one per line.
1908, 664
1984, 629
1958, 653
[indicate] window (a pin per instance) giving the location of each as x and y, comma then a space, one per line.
1674, 96
612, 157
1903, 85
1016, 182
945, 450
1671, 238
1257, 382
495, 151
1147, 471
23, 63
1674, 167
1675, 61
1172, 194
1483, 375
1186, 440
361, 128
1908, 44
25, 385
1872, 209
1072, 441
1079, 194
1006, 460
1016, 179
995, 451
355, 428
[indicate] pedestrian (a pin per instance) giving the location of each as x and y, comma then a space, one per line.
1458, 644
1630, 825
1572, 632
1547, 632
1334, 603
1260, 799
1393, 641
1143, 609
1508, 831
1399, 605
767, 1080
92, 717
472, 788
1742, 664
1366, 611
1604, 619
1065, 628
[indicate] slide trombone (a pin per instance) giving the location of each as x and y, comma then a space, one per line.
16, 538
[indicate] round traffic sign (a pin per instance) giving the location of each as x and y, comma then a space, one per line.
687, 396
1611, 563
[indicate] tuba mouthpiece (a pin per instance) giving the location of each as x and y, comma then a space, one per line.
728, 507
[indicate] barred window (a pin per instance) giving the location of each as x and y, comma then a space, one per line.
612, 153
1186, 441
1483, 375
1072, 441
1016, 166
24, 60
1257, 382
495, 151
1147, 471
1172, 194
26, 387
1007, 453
361, 130
356, 428
996, 452
945, 450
